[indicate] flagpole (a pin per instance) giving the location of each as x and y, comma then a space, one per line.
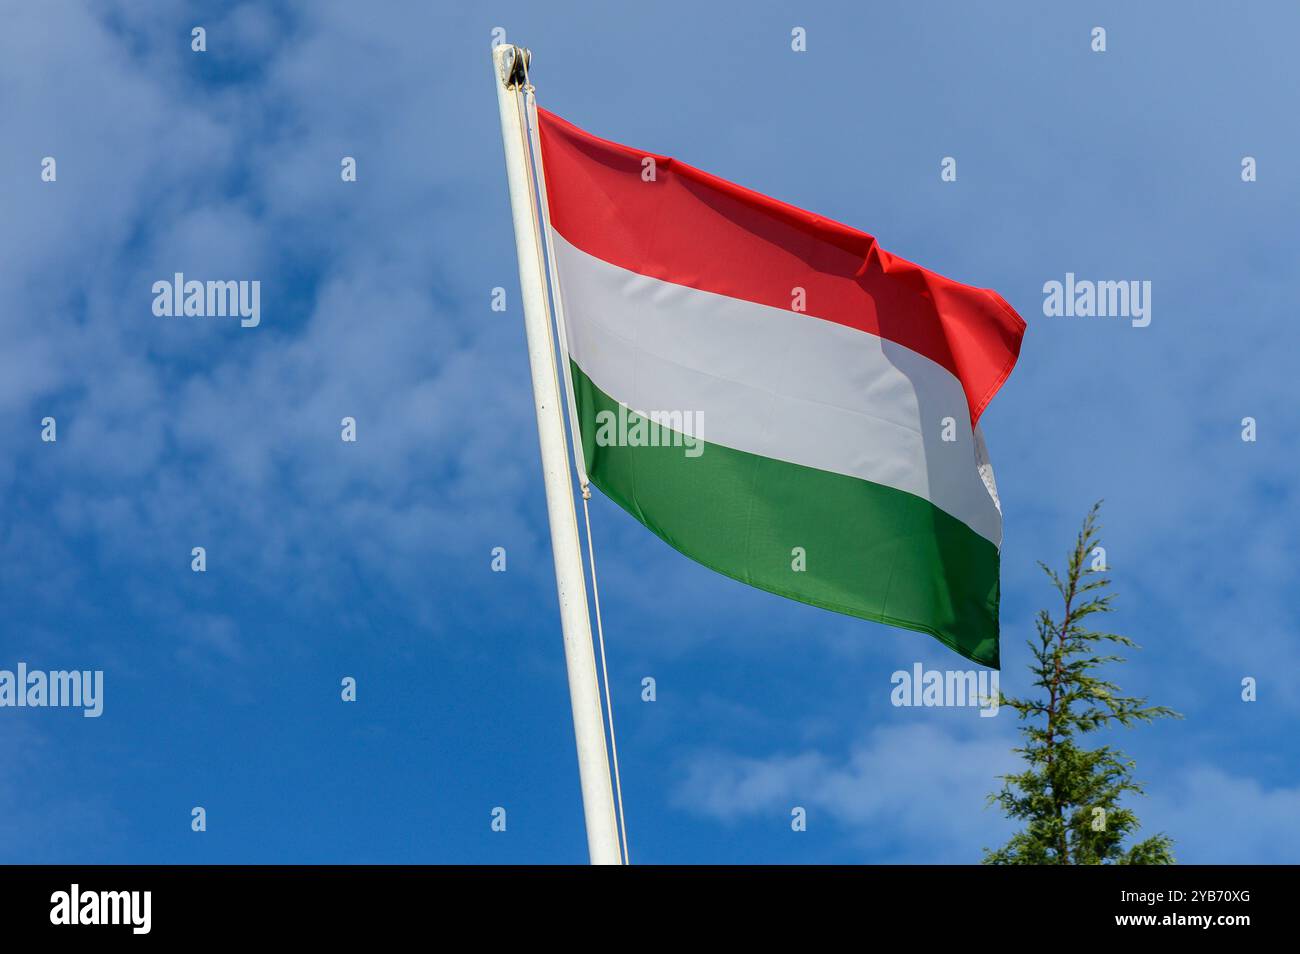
509, 64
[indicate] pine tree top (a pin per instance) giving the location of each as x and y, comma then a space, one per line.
1069, 796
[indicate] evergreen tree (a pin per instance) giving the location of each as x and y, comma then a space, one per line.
1069, 796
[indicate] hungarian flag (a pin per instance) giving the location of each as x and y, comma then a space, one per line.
776, 396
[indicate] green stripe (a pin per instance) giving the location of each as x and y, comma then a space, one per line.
872, 551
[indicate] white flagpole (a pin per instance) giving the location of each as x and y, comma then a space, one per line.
508, 64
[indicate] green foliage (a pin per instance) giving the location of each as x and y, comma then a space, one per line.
1068, 796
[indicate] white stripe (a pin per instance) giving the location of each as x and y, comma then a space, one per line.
778, 384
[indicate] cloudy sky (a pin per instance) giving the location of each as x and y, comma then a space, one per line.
372, 559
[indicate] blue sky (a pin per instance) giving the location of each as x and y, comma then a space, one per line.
371, 559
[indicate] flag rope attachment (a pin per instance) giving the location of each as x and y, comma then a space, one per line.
538, 189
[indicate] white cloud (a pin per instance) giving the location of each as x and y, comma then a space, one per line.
1217, 818
176, 432
916, 793
913, 792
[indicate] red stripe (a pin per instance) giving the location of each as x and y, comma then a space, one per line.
692, 228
